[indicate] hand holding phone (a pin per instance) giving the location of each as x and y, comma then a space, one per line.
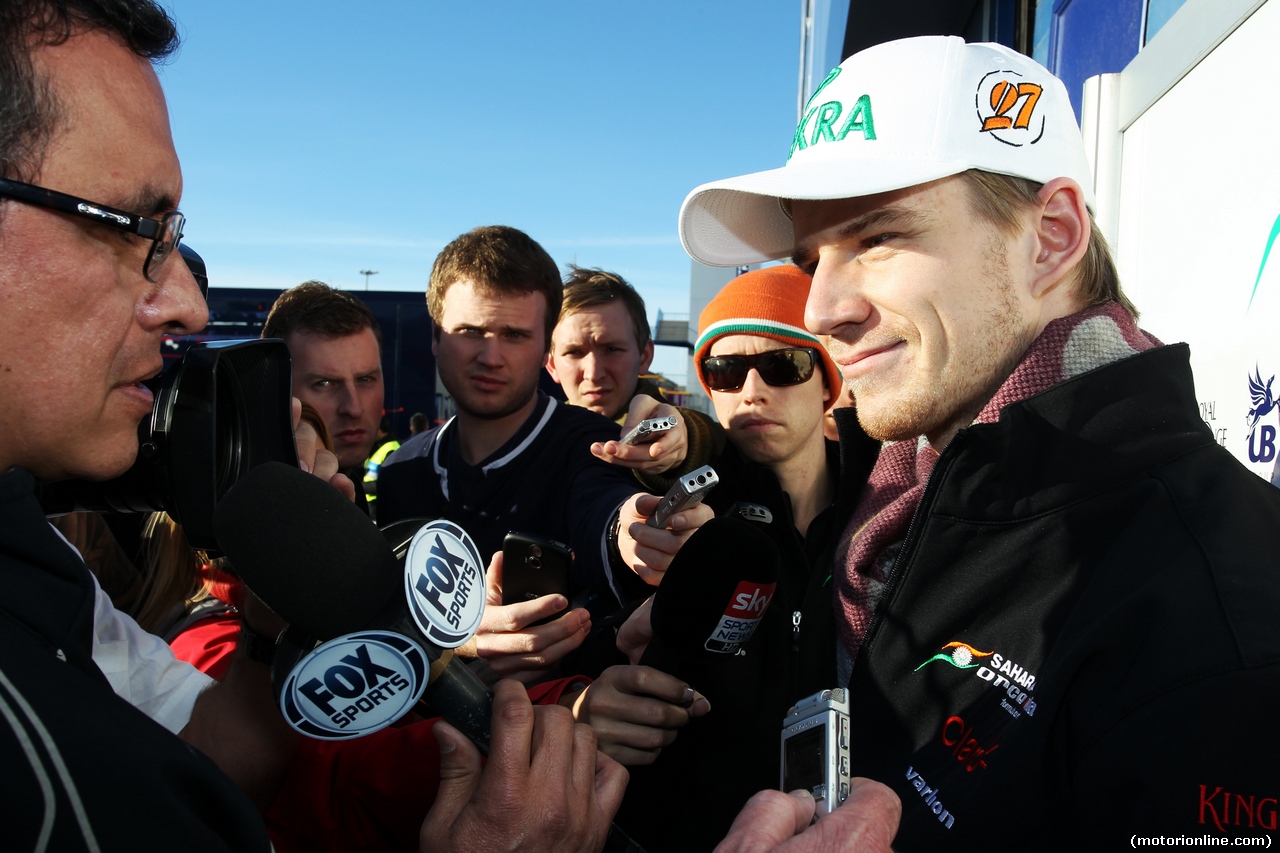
533, 566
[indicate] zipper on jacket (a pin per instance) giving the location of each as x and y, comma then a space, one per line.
795, 631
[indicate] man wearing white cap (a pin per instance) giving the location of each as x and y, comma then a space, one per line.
1054, 620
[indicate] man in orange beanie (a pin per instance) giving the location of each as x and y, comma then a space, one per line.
771, 382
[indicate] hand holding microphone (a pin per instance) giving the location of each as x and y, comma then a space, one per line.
386, 634
319, 563
714, 595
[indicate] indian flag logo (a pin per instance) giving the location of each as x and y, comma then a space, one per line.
960, 655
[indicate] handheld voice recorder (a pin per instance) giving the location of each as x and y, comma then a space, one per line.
648, 429
688, 491
815, 748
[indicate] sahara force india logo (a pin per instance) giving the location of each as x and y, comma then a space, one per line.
999, 671
1006, 106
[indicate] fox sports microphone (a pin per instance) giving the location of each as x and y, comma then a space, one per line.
713, 596
385, 634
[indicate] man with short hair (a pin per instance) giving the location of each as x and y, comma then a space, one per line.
770, 382
336, 347
91, 282
600, 347
513, 458
600, 351
1053, 621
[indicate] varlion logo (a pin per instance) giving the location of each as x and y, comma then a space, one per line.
1006, 106
444, 583
354, 685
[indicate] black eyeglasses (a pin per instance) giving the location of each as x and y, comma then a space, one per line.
164, 233
779, 367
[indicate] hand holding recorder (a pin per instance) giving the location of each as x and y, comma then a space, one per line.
648, 550
653, 449
783, 823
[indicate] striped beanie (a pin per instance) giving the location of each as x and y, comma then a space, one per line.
768, 303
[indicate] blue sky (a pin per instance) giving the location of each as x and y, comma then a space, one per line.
317, 141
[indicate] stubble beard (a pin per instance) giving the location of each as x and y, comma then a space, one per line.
967, 383
493, 409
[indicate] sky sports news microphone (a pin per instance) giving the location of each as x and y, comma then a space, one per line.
714, 627
712, 598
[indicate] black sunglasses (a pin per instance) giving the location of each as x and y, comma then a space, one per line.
779, 367
165, 233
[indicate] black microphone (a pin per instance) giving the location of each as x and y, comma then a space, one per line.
713, 596
316, 560
305, 550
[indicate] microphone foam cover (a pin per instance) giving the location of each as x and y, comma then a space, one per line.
718, 586
315, 559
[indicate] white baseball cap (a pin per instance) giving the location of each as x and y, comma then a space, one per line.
895, 115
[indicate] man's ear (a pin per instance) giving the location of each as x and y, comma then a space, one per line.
435, 340
646, 356
1062, 229
551, 368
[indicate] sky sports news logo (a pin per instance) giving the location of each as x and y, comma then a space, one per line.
444, 583
354, 685
738, 622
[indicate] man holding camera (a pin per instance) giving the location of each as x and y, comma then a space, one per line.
88, 286
1053, 620
336, 347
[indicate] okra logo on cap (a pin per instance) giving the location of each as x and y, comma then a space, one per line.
354, 685
1006, 105
820, 122
444, 583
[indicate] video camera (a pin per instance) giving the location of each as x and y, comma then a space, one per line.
220, 411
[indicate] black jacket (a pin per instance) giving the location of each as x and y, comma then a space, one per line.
78, 761
700, 782
1078, 641
544, 482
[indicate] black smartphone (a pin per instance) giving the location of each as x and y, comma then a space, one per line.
533, 566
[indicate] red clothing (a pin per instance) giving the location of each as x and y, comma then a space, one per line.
368, 794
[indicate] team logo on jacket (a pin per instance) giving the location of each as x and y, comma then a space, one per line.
444, 583
1012, 679
1006, 106
354, 685
960, 655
